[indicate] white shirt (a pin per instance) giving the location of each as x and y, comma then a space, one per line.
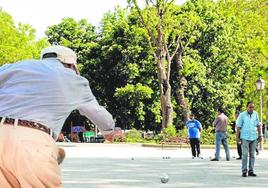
46, 92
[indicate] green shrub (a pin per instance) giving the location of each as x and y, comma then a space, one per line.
183, 133
231, 136
170, 131
208, 136
167, 133
133, 136
160, 137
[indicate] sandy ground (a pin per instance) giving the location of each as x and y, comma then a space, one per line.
125, 165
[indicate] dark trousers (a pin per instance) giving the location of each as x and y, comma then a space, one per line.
239, 150
195, 146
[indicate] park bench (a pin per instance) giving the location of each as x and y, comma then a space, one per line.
174, 141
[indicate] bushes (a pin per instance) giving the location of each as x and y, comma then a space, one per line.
170, 131
133, 136
207, 135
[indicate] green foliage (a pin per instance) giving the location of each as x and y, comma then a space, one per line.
225, 50
17, 42
167, 133
222, 58
160, 138
183, 133
231, 136
134, 97
133, 135
208, 136
170, 131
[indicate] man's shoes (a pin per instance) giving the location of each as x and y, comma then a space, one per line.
244, 174
239, 158
252, 174
228, 159
215, 159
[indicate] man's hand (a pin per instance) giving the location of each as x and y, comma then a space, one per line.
238, 141
260, 138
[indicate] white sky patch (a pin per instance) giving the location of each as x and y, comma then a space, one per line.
43, 13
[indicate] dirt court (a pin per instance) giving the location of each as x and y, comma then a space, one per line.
134, 166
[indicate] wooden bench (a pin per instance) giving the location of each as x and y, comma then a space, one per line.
174, 141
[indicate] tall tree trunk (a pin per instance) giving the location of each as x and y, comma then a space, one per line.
162, 56
182, 83
163, 78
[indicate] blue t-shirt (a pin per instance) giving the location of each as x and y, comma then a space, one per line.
193, 127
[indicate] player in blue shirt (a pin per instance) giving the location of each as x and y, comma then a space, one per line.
194, 129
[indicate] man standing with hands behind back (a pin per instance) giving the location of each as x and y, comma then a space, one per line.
220, 124
247, 126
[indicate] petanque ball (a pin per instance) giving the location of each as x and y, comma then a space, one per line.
164, 178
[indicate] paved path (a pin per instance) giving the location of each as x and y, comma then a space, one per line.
134, 166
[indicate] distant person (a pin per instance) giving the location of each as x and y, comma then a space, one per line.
36, 97
220, 124
248, 127
60, 137
194, 129
238, 143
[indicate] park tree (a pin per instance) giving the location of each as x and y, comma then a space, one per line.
17, 42
158, 18
252, 18
215, 60
206, 57
77, 35
117, 62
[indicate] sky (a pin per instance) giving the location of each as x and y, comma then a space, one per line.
43, 13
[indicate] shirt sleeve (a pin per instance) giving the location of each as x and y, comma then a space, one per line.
199, 125
98, 115
258, 123
187, 124
89, 107
239, 121
215, 122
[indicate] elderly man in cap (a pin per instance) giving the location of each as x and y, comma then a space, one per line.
36, 97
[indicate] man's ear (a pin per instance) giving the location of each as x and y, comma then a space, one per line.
74, 67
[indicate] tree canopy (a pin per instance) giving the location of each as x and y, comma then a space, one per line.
221, 48
17, 42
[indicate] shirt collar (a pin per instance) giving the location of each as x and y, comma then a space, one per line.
53, 61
